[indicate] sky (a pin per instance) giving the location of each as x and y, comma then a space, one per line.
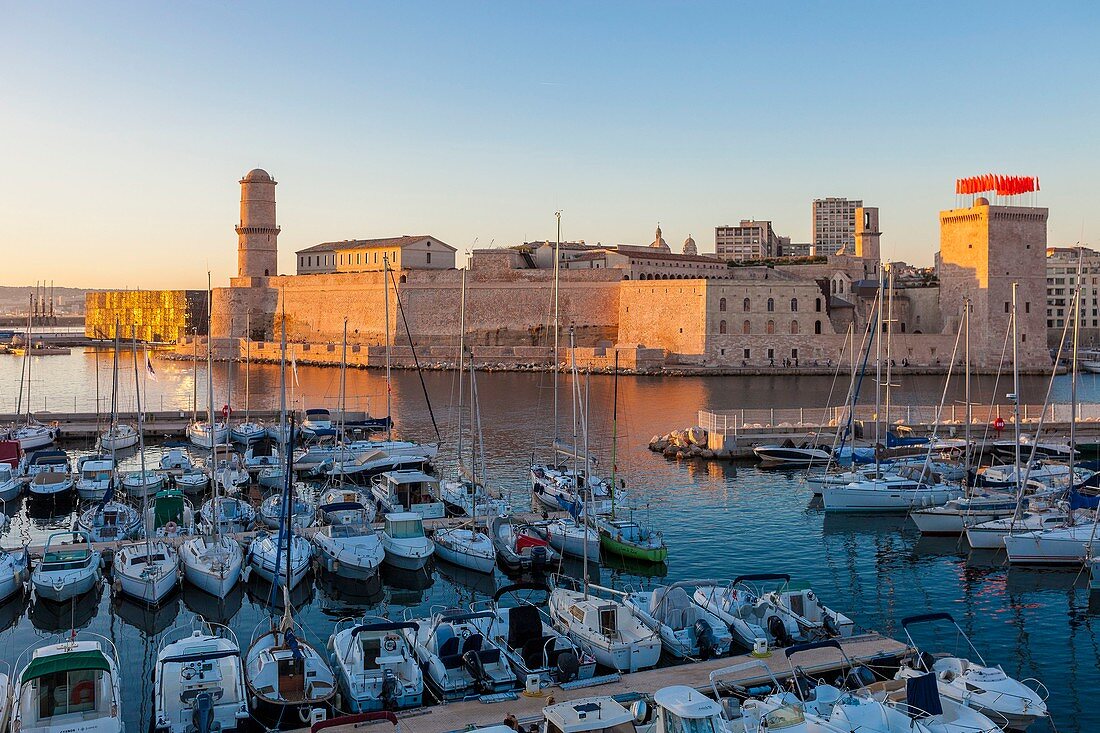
125, 127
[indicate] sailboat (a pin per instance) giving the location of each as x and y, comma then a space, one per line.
31, 434
198, 681
147, 571
210, 432
247, 431
118, 435
212, 561
14, 571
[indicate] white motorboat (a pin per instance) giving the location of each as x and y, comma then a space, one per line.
374, 666
842, 478
212, 564
229, 514
147, 571
49, 484
97, 475
465, 498
10, 485
595, 715
350, 548
71, 684
789, 453
170, 515
53, 460
686, 628
957, 514
570, 537
271, 477
1030, 448
764, 607
336, 502
317, 423
782, 711
324, 457
140, 484
519, 547
192, 480
118, 437
408, 491
466, 547
456, 657
682, 708
200, 433
604, 626
34, 435
991, 535
272, 511
198, 680
919, 699
267, 556
531, 644
286, 677
176, 460
254, 462
110, 521
973, 683
69, 567
1067, 543
1046, 475
14, 571
403, 539
248, 432
876, 497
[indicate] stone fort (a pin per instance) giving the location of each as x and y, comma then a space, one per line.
648, 306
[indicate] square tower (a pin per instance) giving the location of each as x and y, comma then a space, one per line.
983, 250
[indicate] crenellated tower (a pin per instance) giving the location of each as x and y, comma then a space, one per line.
257, 233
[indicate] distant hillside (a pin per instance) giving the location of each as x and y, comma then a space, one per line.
14, 300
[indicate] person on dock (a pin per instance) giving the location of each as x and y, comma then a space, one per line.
512, 722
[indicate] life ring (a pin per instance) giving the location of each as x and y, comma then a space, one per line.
170, 528
81, 693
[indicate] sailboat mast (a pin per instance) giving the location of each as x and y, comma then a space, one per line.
1016, 390
614, 432
878, 372
114, 380
461, 355
210, 407
195, 376
141, 435
247, 363
1073, 375
969, 410
889, 339
343, 389
27, 361
557, 320
386, 318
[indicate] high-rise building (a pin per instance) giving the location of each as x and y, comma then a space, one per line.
834, 224
1062, 266
749, 240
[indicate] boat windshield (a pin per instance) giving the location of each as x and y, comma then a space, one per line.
404, 529
784, 717
675, 724
65, 692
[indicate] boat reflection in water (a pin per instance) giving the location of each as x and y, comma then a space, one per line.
149, 620
464, 579
13, 609
259, 592
73, 614
359, 595
619, 566
213, 609
935, 546
407, 587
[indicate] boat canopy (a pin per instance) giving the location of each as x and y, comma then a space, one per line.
67, 662
168, 507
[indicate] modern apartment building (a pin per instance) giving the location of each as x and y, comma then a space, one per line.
834, 224
749, 240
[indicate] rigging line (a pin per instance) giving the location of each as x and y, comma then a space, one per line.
416, 361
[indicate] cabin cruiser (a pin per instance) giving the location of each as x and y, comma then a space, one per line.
318, 459
335, 502
147, 571
603, 626
519, 547
350, 548
1046, 475
764, 607
110, 521
409, 491
72, 684
594, 715
53, 460
407, 548
198, 681
986, 689
531, 644
374, 666
272, 511
789, 453
1030, 448
50, 484
69, 567
459, 660
686, 628
10, 485
317, 423
200, 433
97, 474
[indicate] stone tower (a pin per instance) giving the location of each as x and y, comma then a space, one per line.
257, 234
984, 249
867, 236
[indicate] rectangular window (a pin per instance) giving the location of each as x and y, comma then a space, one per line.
429, 256
1008, 307
747, 353
1027, 307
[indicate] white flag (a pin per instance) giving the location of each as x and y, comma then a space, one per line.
294, 368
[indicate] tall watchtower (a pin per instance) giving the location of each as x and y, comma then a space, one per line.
257, 234
867, 238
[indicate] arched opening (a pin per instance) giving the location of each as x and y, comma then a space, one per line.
747, 306
771, 327
721, 327
265, 272
746, 328
794, 305
722, 304
817, 305
404, 278
817, 326
794, 328
771, 305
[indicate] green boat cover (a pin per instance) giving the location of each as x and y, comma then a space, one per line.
68, 662
168, 507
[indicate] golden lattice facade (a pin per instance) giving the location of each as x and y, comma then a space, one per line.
157, 315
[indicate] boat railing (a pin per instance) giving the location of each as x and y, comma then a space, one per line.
72, 637
200, 624
743, 685
1037, 687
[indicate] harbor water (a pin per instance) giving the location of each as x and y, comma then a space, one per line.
719, 519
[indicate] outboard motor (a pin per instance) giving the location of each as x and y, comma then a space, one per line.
202, 715
568, 666
829, 625
704, 637
538, 557
858, 677
389, 690
476, 668
778, 630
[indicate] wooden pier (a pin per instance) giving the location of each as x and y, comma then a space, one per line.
870, 649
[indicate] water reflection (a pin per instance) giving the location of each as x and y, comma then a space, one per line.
219, 610
77, 613
149, 620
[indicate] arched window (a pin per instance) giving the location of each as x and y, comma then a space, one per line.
794, 305
817, 305
817, 326
771, 304
747, 305
722, 304
771, 327
794, 328
746, 328
721, 326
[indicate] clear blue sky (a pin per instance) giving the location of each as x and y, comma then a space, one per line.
126, 126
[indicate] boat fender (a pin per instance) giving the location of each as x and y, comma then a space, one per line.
304, 714
246, 574
116, 586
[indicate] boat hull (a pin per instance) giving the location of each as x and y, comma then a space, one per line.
621, 548
76, 586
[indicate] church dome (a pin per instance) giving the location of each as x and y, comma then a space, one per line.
257, 174
659, 241
689, 246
